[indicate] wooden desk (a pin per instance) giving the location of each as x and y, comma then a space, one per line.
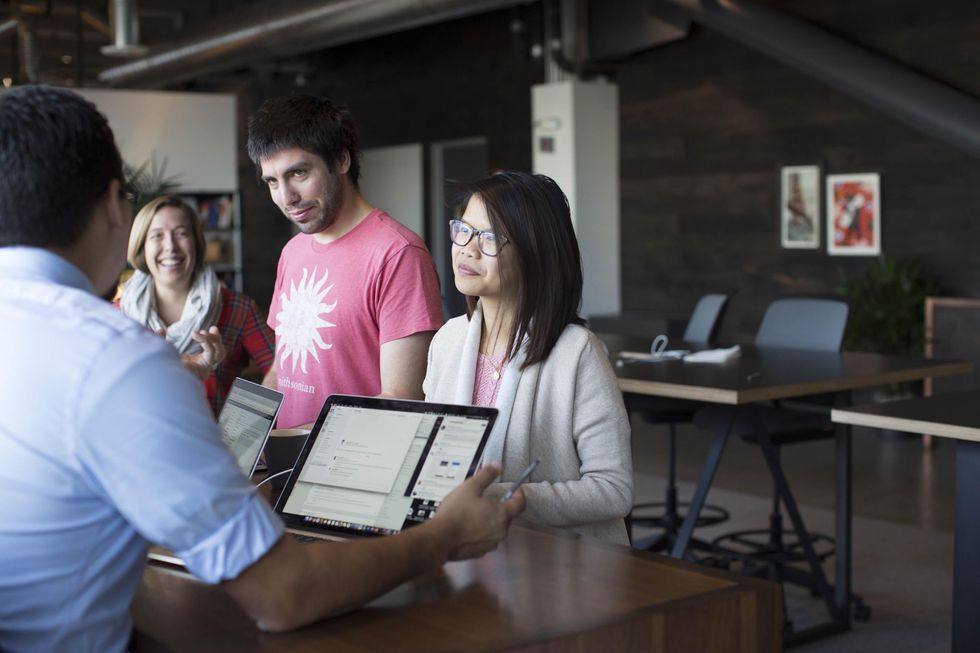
782, 374
955, 415
537, 592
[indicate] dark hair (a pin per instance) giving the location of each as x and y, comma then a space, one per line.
136, 254
532, 213
312, 124
57, 157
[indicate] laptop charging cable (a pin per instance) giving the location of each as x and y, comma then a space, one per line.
276, 475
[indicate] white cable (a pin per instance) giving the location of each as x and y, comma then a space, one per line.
269, 478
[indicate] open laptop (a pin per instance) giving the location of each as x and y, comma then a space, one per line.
374, 466
246, 420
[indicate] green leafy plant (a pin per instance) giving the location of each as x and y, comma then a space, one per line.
887, 302
148, 181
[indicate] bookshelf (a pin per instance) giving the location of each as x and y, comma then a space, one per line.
221, 214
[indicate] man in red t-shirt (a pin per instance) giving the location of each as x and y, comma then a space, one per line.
357, 297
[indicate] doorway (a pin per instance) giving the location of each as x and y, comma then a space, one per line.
463, 159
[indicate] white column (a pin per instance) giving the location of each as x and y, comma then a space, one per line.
575, 141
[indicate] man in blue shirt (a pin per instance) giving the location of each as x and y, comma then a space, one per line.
107, 443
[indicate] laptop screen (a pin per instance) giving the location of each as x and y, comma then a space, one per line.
375, 466
246, 419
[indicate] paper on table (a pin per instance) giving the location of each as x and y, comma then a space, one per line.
714, 355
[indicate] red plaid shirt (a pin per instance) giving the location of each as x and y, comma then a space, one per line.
245, 335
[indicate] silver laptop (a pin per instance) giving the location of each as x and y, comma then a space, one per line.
375, 466
246, 420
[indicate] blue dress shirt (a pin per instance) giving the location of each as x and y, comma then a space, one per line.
106, 444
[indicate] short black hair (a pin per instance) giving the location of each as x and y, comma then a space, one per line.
532, 213
57, 158
313, 124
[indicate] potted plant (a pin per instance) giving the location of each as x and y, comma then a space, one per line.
886, 308
148, 181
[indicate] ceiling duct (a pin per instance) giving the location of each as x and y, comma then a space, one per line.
8, 25
28, 52
123, 15
270, 30
923, 103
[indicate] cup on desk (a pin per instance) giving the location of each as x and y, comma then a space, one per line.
281, 451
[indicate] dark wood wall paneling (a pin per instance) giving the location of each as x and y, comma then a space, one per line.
706, 124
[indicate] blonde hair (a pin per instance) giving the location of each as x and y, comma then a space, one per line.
141, 226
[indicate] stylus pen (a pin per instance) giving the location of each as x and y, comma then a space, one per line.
526, 475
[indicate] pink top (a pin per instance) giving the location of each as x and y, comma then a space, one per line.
335, 305
485, 387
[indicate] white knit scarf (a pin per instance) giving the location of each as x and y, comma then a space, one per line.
201, 310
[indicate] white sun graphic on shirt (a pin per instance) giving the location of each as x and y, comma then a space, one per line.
299, 322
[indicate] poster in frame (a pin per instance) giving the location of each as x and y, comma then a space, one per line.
799, 207
854, 214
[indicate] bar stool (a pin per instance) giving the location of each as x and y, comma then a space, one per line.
801, 324
702, 329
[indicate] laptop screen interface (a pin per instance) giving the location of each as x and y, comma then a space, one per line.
378, 471
245, 420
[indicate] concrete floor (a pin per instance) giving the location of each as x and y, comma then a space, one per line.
894, 478
903, 521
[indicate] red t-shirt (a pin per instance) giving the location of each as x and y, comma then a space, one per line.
335, 304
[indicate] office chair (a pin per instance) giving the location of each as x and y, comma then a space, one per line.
701, 329
801, 324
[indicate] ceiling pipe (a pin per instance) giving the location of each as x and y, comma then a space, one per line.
7, 26
62, 9
28, 53
123, 14
281, 29
913, 98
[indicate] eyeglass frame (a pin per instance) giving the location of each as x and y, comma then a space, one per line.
502, 240
127, 192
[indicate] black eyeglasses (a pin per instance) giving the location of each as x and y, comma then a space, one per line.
489, 242
128, 193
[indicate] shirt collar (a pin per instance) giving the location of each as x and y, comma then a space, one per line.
34, 263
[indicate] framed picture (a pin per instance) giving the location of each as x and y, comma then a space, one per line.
799, 207
854, 215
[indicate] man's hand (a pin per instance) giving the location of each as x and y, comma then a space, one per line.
294, 584
212, 353
477, 523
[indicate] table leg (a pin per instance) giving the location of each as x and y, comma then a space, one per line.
966, 552
704, 484
842, 526
816, 570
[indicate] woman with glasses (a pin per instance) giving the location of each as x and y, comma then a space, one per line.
174, 292
523, 348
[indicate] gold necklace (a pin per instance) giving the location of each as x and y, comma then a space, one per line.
496, 368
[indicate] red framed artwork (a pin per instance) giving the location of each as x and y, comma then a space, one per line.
854, 215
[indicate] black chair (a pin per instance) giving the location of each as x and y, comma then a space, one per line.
702, 329
793, 325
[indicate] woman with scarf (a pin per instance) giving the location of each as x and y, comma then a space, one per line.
173, 291
523, 348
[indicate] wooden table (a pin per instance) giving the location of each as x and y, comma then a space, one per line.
538, 591
782, 374
957, 416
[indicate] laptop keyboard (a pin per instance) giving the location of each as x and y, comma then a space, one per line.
305, 539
